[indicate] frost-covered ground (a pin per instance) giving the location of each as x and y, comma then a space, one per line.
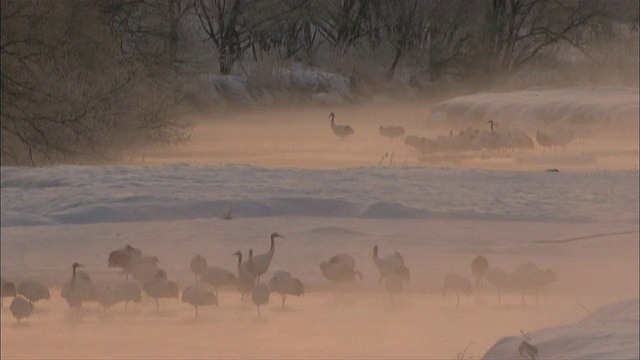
328, 196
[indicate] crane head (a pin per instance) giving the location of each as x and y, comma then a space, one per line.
75, 265
237, 253
275, 235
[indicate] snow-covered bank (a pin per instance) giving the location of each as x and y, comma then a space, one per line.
610, 332
587, 111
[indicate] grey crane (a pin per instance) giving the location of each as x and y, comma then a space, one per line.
391, 264
218, 277
260, 263
124, 259
197, 297
160, 287
33, 291
20, 308
246, 278
340, 268
284, 284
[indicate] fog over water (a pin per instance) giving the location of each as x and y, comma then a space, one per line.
286, 171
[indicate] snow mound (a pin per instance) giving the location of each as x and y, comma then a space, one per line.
610, 332
585, 109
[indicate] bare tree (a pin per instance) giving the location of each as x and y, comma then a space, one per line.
517, 32
68, 93
344, 22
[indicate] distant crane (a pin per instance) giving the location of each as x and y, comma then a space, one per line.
124, 259
499, 279
479, 267
7, 289
260, 264
78, 289
343, 131
145, 268
340, 268
391, 131
218, 277
260, 295
160, 287
196, 296
246, 278
458, 284
128, 291
284, 284
198, 265
20, 308
33, 291
391, 264
393, 284
528, 277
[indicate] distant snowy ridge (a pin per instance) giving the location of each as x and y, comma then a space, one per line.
586, 110
85, 195
611, 332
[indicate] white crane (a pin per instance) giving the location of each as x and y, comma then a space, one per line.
260, 295
197, 296
246, 278
260, 264
218, 277
479, 267
341, 268
33, 291
161, 288
391, 264
342, 131
20, 308
391, 131
124, 259
458, 284
284, 284
198, 265
7, 289
499, 279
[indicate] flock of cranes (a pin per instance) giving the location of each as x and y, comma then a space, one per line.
339, 269
468, 140
526, 278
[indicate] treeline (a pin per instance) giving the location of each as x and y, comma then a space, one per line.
87, 80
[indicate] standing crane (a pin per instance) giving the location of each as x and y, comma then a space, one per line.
343, 131
260, 264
